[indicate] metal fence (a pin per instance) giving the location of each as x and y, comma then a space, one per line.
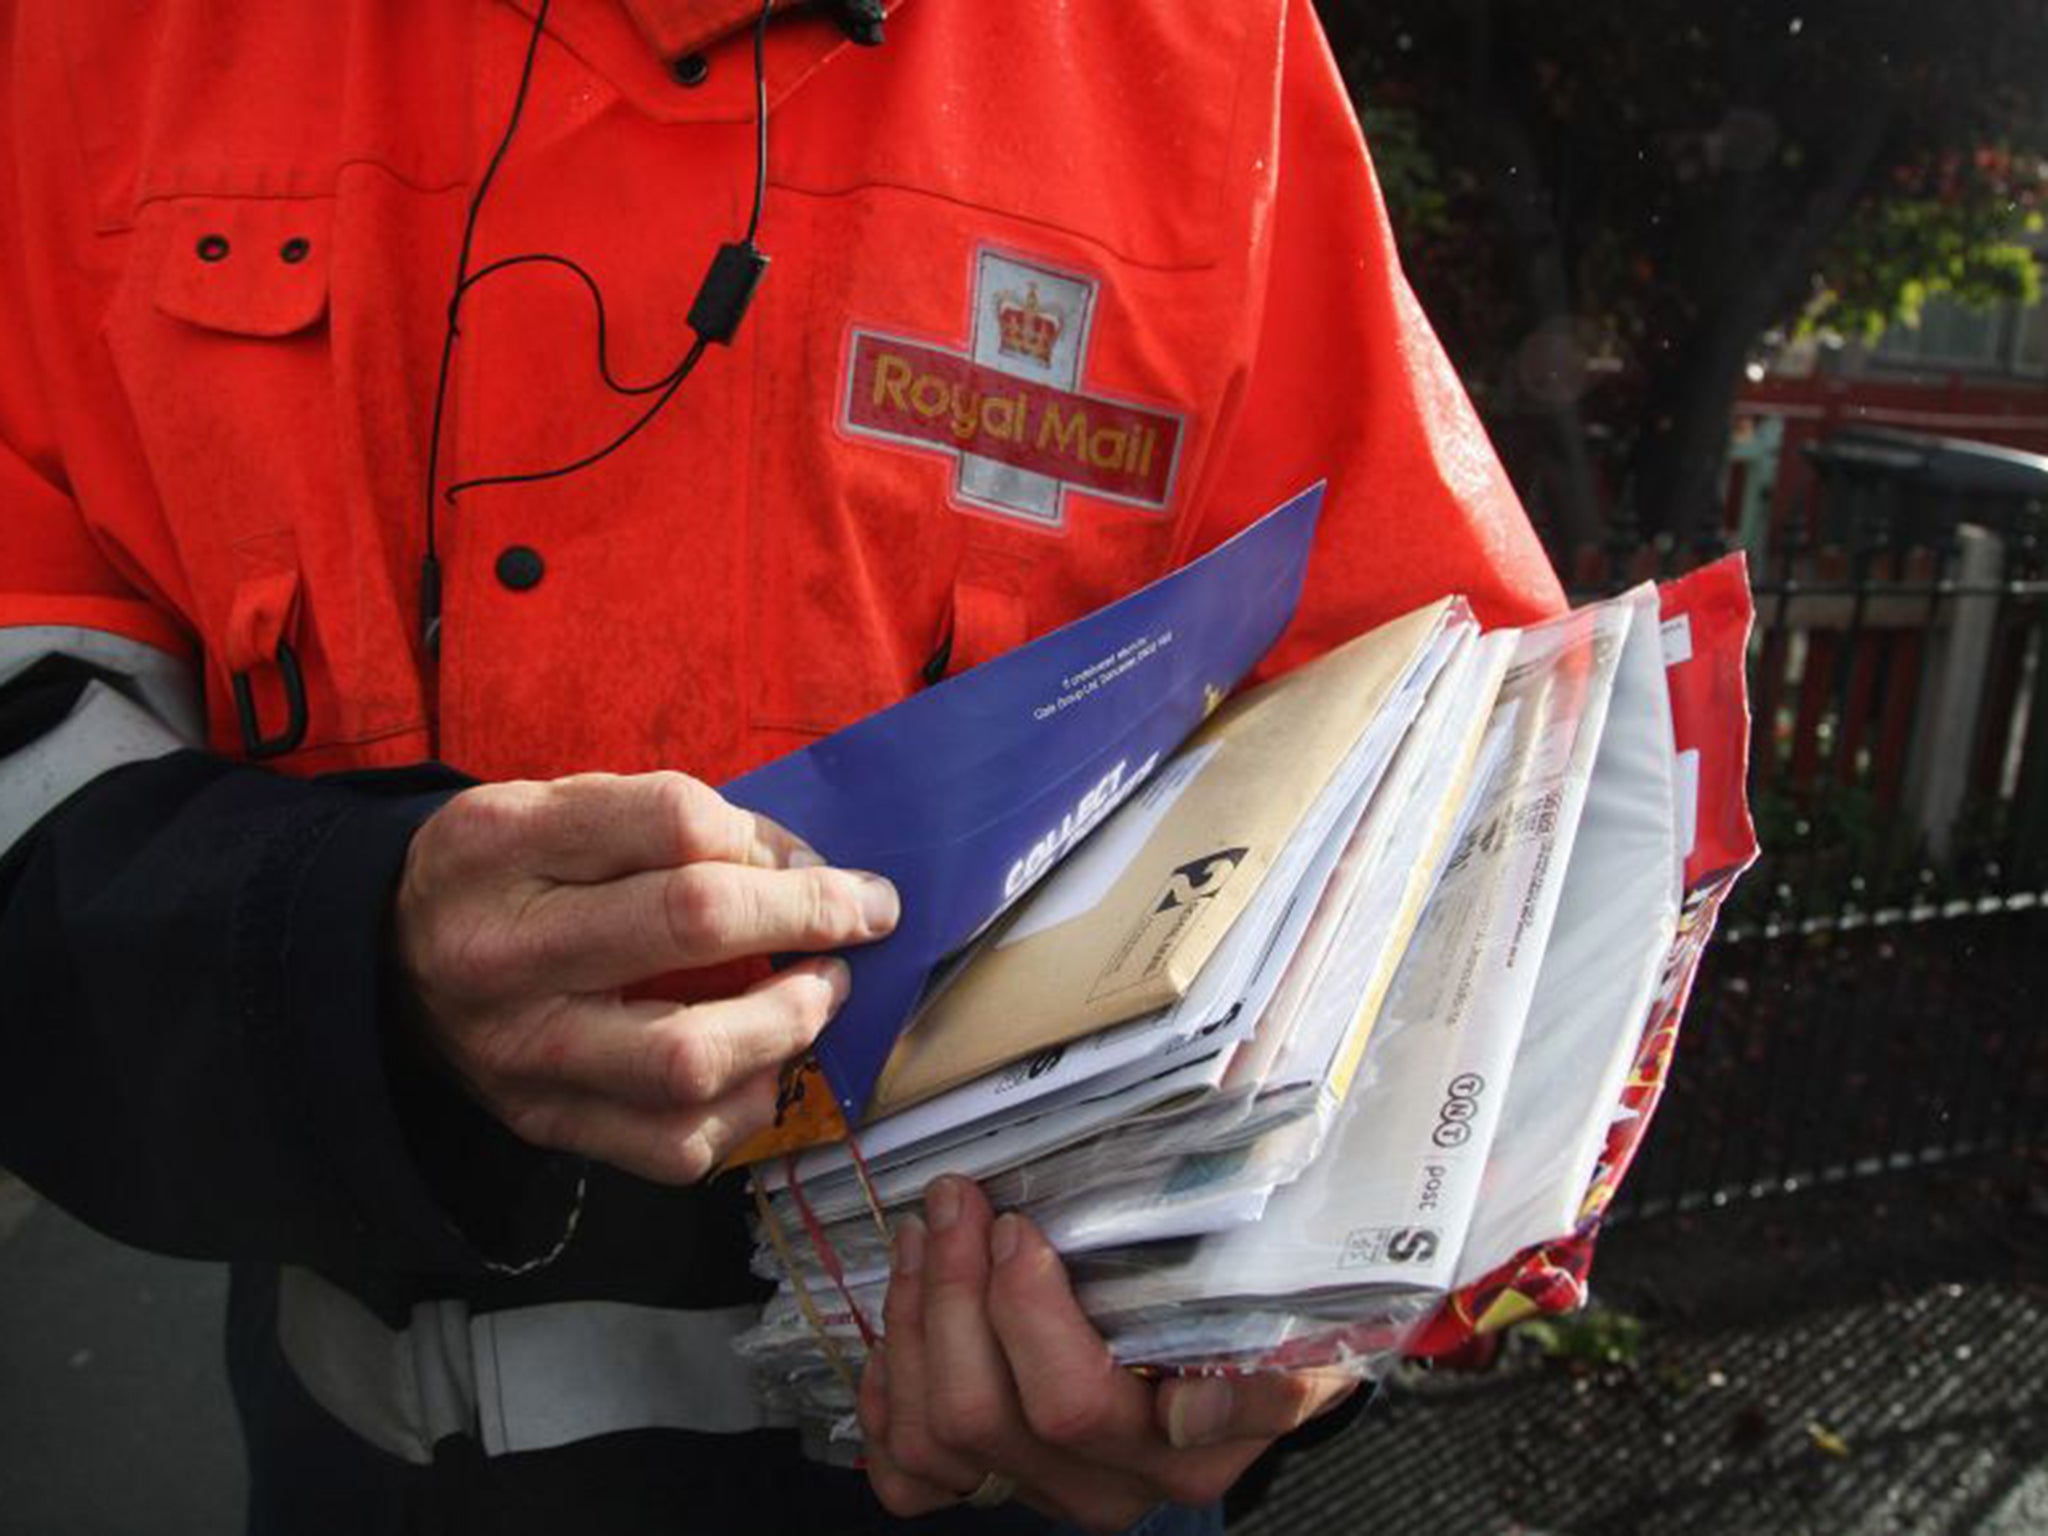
1878, 996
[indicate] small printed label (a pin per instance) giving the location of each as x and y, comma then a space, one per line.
1677, 637
1030, 1069
1152, 941
1537, 816
1374, 1246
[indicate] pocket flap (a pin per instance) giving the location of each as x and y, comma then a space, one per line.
247, 266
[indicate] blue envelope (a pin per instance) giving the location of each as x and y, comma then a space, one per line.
967, 793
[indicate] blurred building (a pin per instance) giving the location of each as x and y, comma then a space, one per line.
1961, 373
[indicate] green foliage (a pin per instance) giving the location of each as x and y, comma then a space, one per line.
1957, 230
1599, 1336
1663, 184
1842, 819
1409, 177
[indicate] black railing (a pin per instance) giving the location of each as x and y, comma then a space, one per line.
1878, 996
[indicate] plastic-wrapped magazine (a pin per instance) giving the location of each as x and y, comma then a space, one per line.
1386, 1206
1400, 1120
1705, 633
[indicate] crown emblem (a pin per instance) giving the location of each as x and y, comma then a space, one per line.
1028, 327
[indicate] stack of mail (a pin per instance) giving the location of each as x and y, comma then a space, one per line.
1329, 1017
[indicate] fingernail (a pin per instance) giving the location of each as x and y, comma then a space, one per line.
879, 906
838, 978
909, 1246
804, 856
1004, 1237
1200, 1413
942, 1204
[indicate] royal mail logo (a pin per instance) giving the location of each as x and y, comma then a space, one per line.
1010, 408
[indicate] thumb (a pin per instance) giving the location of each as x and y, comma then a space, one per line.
1197, 1411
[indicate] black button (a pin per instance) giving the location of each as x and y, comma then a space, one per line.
691, 69
295, 249
213, 247
520, 568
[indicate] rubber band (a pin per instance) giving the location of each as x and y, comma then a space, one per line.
779, 1240
828, 1257
867, 1188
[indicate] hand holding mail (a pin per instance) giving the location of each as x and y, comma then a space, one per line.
527, 912
991, 1375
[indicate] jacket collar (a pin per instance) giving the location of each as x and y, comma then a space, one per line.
633, 44
673, 28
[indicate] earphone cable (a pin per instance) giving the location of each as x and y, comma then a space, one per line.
727, 290
604, 366
668, 389
670, 384
760, 120
469, 222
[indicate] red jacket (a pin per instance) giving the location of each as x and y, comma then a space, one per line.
1058, 298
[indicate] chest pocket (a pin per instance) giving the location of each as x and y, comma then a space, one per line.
221, 335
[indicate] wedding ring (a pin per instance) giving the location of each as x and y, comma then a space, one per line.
994, 1489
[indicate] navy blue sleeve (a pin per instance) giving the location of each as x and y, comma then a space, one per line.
202, 1050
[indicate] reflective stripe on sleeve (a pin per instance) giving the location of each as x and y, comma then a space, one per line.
552, 1374
524, 1379
156, 711
400, 1389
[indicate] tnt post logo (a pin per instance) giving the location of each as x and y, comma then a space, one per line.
1010, 408
1454, 1115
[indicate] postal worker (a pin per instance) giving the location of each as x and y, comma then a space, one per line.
399, 536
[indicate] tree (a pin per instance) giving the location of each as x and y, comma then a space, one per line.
1607, 208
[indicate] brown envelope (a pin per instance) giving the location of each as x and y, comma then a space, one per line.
1141, 946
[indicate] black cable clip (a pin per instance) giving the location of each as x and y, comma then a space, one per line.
727, 290
254, 742
860, 20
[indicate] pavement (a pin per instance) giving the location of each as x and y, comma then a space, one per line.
1864, 1360
1926, 1415
114, 1410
